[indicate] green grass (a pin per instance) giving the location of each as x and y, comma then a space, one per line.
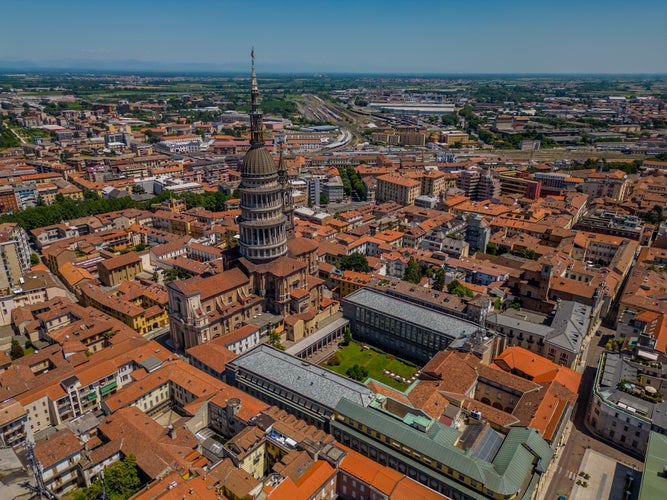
375, 361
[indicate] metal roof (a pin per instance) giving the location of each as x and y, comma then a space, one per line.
303, 378
653, 478
414, 314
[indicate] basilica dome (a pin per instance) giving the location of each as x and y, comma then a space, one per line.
258, 163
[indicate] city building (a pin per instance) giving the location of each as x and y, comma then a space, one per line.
115, 270
613, 184
13, 422
627, 401
304, 389
14, 256
393, 187
559, 337
141, 308
402, 327
189, 143
201, 308
477, 463
515, 184
58, 457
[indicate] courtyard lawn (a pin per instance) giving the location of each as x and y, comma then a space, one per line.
375, 361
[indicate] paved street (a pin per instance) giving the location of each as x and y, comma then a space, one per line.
563, 473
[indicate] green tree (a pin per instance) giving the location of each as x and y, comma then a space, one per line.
174, 274
324, 199
16, 351
655, 216
450, 119
122, 478
528, 253
7, 138
333, 360
492, 249
138, 189
275, 340
354, 262
456, 288
413, 272
357, 372
34, 259
439, 279
347, 337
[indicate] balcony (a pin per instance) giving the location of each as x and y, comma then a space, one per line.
108, 387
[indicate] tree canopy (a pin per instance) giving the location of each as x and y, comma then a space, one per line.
655, 216
354, 262
357, 372
64, 209
121, 480
413, 272
439, 279
456, 288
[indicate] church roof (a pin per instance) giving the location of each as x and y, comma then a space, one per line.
258, 163
300, 246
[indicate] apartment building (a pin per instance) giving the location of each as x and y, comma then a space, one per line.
13, 421
396, 188
614, 184
627, 399
142, 310
14, 255
58, 456
117, 269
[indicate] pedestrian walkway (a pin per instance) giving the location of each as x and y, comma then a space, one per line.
602, 477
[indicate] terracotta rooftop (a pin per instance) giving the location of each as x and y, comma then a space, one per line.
300, 246
213, 285
56, 448
120, 261
536, 368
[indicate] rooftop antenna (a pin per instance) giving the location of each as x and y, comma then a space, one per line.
41, 490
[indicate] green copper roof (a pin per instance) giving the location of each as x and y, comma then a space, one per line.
654, 483
504, 475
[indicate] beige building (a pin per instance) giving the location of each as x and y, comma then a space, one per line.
15, 255
393, 187
203, 308
614, 184
121, 268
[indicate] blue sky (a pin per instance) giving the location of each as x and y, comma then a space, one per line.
465, 36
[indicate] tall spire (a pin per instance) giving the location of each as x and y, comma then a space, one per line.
256, 126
